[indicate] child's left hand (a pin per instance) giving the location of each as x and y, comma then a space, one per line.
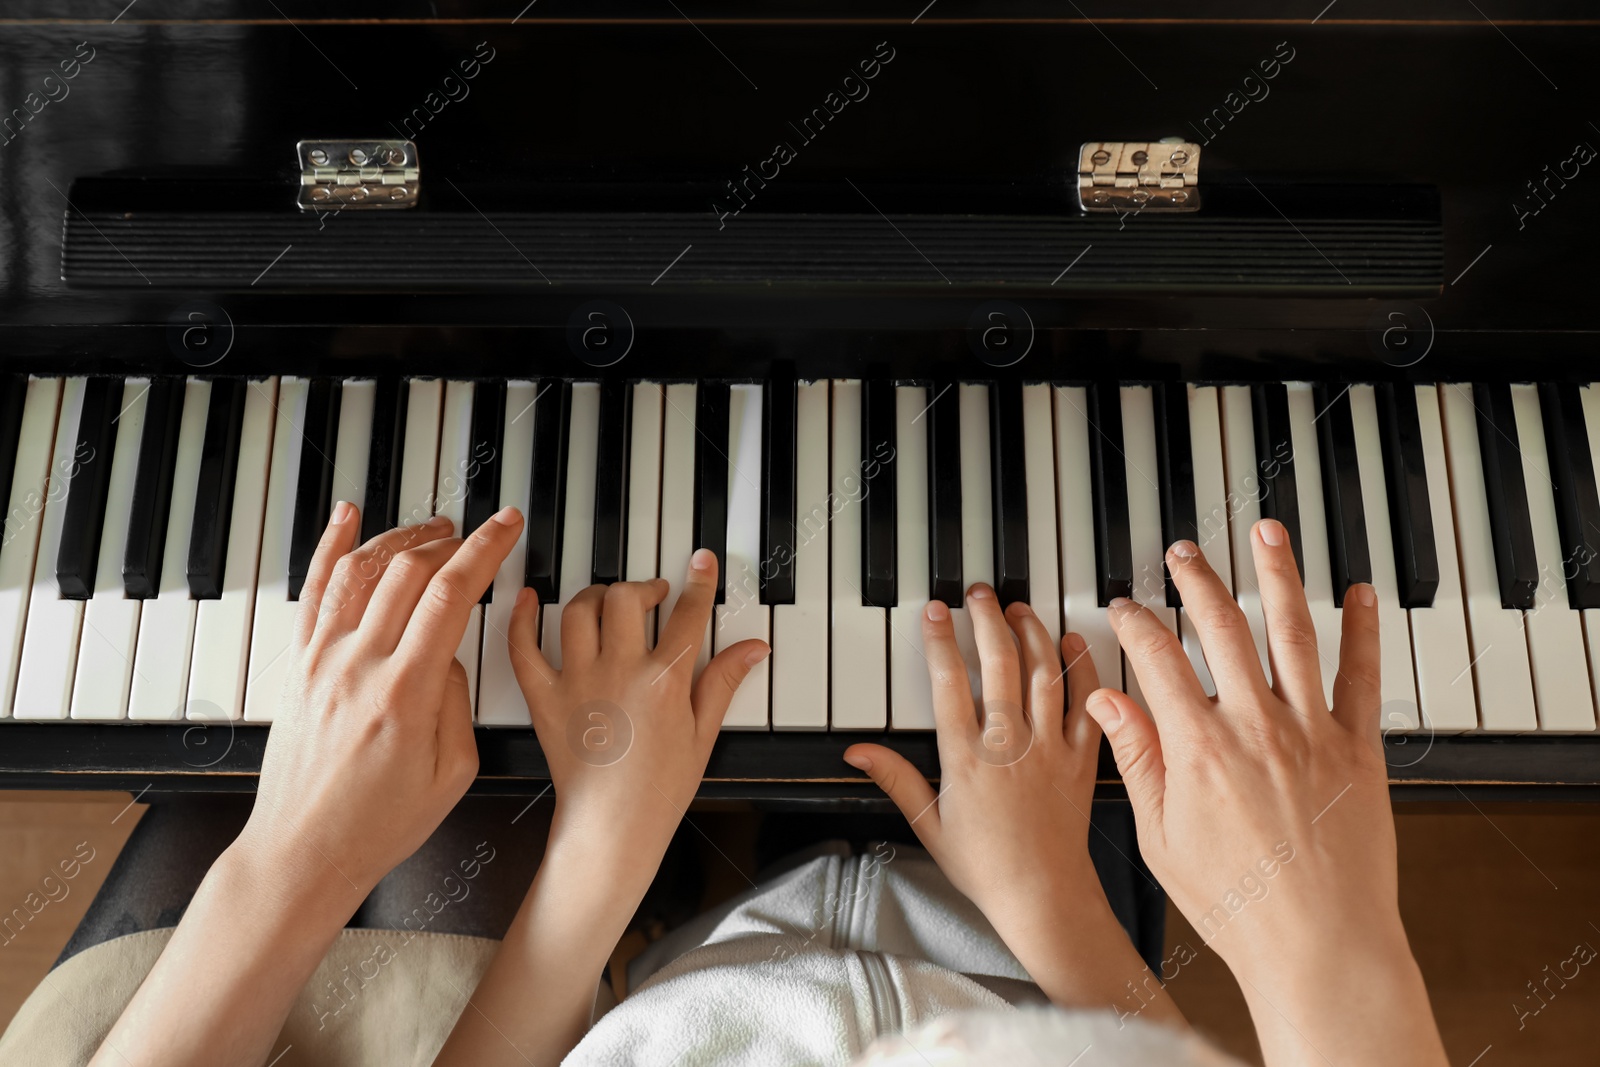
628, 729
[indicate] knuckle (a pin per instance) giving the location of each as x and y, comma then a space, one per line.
1224, 619
1153, 641
1363, 676
440, 595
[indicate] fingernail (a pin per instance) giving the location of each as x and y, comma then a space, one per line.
1271, 531
342, 511
1184, 549
1364, 595
507, 516
980, 592
1020, 608
522, 596
859, 760
703, 559
1076, 644
755, 656
439, 522
1120, 602
1104, 711
937, 611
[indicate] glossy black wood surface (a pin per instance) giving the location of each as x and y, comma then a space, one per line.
982, 106
979, 104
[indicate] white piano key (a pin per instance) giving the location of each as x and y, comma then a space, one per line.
30, 485
110, 619
1555, 631
1210, 510
50, 638
272, 628
741, 615
1245, 489
1439, 633
450, 500
353, 446
1500, 667
577, 523
1044, 575
1142, 469
977, 520
910, 691
800, 630
1397, 683
1318, 564
1590, 396
219, 668
500, 699
644, 493
419, 456
677, 502
166, 622
1081, 610
860, 661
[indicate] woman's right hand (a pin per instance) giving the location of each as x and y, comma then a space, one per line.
1263, 812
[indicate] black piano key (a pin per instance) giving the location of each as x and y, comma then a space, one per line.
1008, 463
611, 483
1280, 500
711, 475
13, 398
547, 494
313, 492
1175, 465
1510, 525
381, 509
943, 416
780, 454
878, 581
1108, 481
1349, 557
1416, 558
152, 489
213, 496
1566, 437
483, 472
79, 556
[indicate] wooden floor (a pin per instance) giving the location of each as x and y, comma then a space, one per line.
1491, 896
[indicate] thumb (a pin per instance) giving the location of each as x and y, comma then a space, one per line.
901, 783
714, 689
532, 671
1137, 748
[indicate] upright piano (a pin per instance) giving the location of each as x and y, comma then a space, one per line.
875, 299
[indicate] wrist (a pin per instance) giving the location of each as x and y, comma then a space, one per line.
277, 884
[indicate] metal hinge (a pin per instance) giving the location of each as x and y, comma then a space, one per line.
1124, 176
369, 174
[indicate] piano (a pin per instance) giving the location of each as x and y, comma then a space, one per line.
873, 303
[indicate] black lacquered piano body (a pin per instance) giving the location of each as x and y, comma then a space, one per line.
957, 153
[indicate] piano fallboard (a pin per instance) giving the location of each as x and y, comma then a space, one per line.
762, 767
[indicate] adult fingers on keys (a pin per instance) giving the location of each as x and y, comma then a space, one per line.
1156, 655
359, 572
1291, 637
404, 581
434, 631
1224, 631
339, 537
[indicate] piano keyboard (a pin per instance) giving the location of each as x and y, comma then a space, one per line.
158, 530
